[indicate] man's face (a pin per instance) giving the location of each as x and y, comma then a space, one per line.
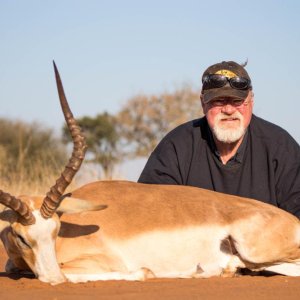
229, 118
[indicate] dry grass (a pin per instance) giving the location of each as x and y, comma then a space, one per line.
39, 179
42, 174
29, 186
35, 181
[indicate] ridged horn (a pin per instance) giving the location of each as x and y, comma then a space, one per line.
54, 196
27, 218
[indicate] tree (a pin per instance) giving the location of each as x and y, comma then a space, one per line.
145, 120
102, 138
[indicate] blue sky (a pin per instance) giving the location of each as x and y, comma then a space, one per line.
108, 51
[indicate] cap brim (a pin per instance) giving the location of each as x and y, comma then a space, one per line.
212, 94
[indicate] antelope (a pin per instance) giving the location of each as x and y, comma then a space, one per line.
121, 230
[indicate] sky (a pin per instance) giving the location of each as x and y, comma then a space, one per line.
109, 51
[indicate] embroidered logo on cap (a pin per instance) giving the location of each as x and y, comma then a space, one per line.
227, 73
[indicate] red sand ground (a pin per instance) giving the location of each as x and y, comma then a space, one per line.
244, 288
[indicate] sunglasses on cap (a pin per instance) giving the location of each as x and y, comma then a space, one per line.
212, 81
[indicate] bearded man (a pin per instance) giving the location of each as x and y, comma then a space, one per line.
230, 150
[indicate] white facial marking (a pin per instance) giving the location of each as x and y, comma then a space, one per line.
46, 266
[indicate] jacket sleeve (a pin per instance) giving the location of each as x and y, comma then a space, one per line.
162, 166
288, 178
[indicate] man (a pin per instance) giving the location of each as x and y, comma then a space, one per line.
230, 150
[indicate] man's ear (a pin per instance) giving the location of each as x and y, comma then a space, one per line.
251, 97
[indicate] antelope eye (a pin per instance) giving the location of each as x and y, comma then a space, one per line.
22, 241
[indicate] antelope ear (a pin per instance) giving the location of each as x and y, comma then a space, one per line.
7, 216
3, 225
74, 205
2, 207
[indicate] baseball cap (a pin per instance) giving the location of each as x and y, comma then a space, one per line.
230, 69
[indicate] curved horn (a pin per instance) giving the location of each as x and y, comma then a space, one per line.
27, 218
53, 197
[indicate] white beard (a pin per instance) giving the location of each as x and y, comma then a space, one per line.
226, 134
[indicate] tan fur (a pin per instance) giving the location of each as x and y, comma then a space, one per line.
136, 207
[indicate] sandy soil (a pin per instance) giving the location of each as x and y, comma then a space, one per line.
244, 288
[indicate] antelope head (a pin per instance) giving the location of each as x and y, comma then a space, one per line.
29, 226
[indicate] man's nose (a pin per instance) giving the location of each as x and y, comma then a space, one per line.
228, 108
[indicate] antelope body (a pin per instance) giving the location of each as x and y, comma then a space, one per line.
125, 230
